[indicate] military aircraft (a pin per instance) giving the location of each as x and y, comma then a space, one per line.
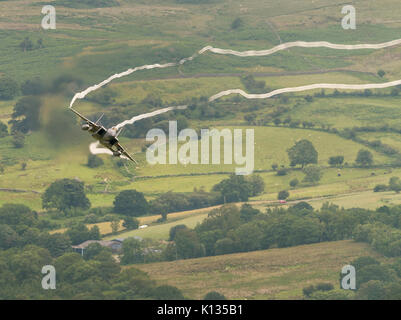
106, 137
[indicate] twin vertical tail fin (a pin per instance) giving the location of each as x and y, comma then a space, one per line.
99, 118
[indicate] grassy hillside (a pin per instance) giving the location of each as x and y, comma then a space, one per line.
268, 274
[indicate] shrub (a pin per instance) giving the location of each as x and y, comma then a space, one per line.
94, 161
380, 188
294, 183
281, 172
282, 195
213, 295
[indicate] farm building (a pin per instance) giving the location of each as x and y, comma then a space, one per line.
114, 245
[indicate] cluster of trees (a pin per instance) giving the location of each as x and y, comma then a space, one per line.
233, 189
88, 3
374, 281
8, 88
20, 226
230, 229
336, 161
252, 85
394, 185
26, 246
105, 96
28, 45
95, 276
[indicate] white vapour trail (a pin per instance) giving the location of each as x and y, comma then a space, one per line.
94, 149
148, 115
83, 94
250, 53
305, 88
303, 44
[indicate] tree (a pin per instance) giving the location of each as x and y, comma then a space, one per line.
115, 225
257, 184
224, 246
3, 130
8, 88
57, 243
79, 233
188, 244
336, 161
166, 292
94, 233
130, 223
25, 116
395, 184
169, 202
247, 237
213, 295
380, 188
250, 118
26, 44
40, 43
132, 251
371, 290
18, 215
65, 194
281, 172
234, 189
303, 205
374, 272
236, 23
173, 231
282, 195
18, 139
303, 153
294, 183
131, 203
381, 73
94, 161
93, 250
8, 237
364, 158
313, 174
248, 212
34, 86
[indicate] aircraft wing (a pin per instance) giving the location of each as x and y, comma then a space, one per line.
91, 123
125, 153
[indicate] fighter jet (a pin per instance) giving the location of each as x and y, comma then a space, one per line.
106, 137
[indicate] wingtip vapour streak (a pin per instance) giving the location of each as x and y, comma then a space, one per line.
249, 53
305, 88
